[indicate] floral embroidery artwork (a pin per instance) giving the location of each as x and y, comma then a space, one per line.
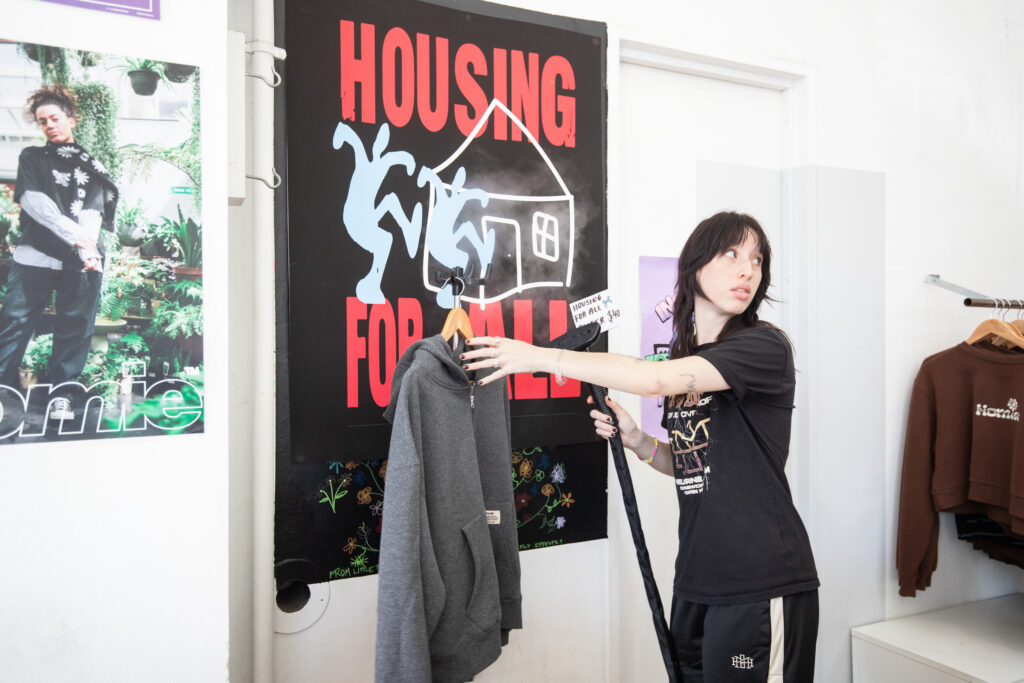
558, 494
62, 179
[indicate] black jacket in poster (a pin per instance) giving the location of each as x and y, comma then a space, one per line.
423, 138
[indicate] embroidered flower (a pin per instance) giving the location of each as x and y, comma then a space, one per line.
345, 480
364, 496
66, 151
81, 193
62, 179
548, 489
335, 465
359, 477
76, 207
377, 509
558, 474
98, 166
350, 547
84, 156
522, 500
567, 500
383, 471
110, 196
516, 457
544, 460
559, 522
525, 468
1012, 404
359, 562
351, 465
81, 177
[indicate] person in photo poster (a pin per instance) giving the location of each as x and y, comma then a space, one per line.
66, 198
744, 565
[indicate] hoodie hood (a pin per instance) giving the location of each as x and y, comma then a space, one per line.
441, 361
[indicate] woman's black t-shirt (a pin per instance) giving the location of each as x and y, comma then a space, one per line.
740, 538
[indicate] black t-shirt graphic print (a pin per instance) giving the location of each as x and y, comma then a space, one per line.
740, 537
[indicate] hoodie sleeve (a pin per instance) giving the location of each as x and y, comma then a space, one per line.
411, 594
918, 528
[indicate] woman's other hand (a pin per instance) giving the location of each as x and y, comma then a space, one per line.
627, 428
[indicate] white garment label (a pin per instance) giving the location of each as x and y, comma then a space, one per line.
493, 516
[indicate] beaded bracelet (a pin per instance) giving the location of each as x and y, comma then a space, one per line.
649, 460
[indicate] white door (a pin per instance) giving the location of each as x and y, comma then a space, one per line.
683, 148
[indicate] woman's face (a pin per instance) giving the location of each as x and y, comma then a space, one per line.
730, 280
55, 124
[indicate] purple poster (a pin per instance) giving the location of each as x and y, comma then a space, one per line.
150, 9
657, 291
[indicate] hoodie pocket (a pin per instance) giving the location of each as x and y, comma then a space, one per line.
484, 607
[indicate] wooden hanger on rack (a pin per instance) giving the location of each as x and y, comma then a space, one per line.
998, 332
1019, 322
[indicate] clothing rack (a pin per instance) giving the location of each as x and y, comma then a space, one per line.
976, 299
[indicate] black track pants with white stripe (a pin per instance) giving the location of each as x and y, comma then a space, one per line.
769, 641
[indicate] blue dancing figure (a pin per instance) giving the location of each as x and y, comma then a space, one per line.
442, 237
362, 215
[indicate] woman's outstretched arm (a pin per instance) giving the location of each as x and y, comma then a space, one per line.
610, 370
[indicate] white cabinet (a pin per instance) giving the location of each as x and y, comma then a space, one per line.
981, 642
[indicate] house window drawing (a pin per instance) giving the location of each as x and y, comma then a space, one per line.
527, 224
545, 236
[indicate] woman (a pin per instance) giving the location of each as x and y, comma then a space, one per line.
745, 601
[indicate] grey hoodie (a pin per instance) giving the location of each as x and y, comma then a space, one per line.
449, 556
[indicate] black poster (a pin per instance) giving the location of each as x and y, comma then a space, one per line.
421, 138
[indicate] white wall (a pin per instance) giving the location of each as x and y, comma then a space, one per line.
116, 551
903, 157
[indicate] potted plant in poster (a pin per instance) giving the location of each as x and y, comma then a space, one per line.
143, 74
185, 237
131, 229
178, 73
180, 316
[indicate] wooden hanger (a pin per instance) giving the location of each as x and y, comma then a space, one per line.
998, 332
457, 322
1019, 322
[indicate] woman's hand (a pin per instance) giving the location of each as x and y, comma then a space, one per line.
632, 436
506, 356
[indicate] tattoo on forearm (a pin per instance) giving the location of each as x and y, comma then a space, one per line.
691, 384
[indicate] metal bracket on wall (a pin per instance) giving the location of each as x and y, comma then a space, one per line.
254, 46
936, 280
272, 185
975, 299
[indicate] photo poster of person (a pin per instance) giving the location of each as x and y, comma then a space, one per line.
424, 137
657, 279
101, 304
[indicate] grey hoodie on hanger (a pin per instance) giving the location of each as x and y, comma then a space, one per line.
449, 577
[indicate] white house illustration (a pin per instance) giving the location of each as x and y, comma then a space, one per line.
534, 229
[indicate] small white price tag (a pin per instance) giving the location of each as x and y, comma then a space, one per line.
493, 516
596, 307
